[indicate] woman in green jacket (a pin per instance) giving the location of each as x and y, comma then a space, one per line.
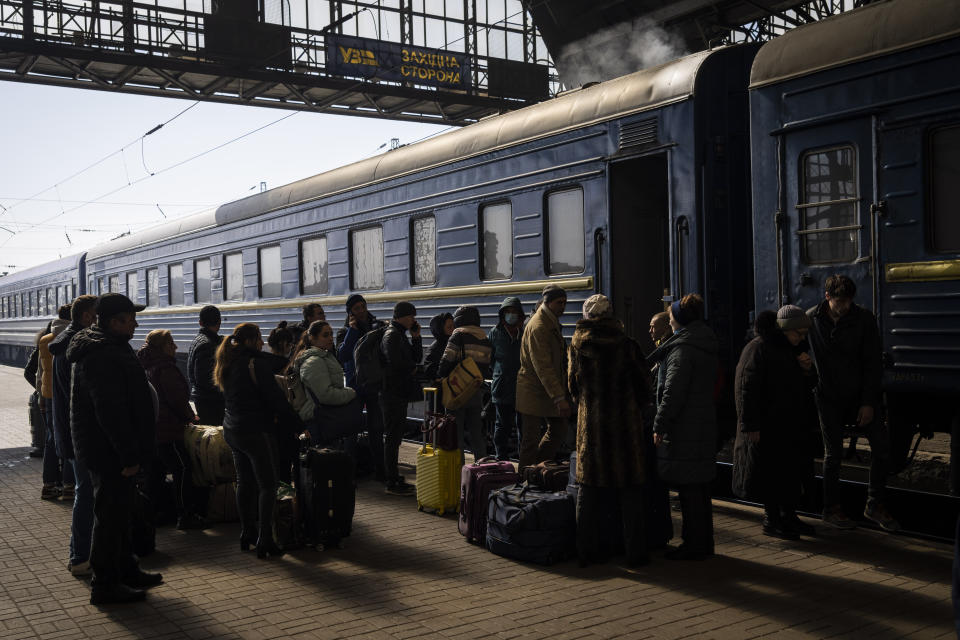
322, 378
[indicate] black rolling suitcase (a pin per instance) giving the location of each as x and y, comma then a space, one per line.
327, 495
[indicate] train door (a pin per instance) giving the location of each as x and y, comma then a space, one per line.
639, 241
828, 192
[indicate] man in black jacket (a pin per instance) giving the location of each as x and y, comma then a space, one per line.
113, 427
846, 349
400, 364
311, 313
207, 398
83, 312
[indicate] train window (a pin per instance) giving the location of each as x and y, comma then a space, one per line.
61, 297
3, 307
565, 253
367, 249
153, 287
944, 180
91, 286
115, 284
201, 280
829, 230
233, 278
102, 286
270, 272
175, 284
496, 233
423, 233
313, 266
52, 307
41, 303
132, 292
31, 304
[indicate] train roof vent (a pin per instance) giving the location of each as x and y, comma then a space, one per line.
638, 134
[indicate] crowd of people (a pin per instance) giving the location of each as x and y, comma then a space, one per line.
644, 422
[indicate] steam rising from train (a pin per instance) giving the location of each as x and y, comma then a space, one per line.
617, 51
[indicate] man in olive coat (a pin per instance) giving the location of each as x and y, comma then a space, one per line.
541, 381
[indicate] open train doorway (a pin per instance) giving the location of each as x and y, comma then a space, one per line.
639, 242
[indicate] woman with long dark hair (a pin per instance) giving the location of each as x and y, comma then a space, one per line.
254, 406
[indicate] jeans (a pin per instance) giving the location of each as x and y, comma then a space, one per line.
81, 525
111, 552
533, 448
469, 419
394, 421
505, 425
833, 416
254, 455
697, 509
55, 470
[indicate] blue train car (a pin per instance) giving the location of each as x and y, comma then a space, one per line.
29, 299
637, 187
856, 170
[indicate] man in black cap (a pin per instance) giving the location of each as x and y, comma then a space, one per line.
401, 357
113, 428
358, 323
207, 398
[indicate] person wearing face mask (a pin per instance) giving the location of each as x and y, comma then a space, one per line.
774, 386
322, 377
506, 338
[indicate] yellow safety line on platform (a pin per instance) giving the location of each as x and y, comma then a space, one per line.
923, 271
504, 288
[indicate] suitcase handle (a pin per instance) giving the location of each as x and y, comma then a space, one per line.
426, 392
485, 459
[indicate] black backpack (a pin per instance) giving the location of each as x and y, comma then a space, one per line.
368, 360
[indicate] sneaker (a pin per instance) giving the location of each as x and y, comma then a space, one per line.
67, 493
49, 492
143, 580
877, 512
400, 488
835, 517
80, 569
36, 453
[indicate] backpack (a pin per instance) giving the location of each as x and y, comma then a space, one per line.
368, 360
292, 387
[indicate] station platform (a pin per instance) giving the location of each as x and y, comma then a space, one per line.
407, 574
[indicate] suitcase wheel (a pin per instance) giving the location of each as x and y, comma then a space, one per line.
440, 511
419, 507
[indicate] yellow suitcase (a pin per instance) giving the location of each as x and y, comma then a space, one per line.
438, 473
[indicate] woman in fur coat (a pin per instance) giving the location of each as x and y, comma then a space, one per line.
608, 379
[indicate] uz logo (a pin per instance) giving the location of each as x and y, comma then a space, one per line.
357, 56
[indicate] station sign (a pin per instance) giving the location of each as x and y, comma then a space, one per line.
367, 58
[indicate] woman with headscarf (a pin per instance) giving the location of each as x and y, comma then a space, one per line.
774, 390
254, 405
608, 379
685, 427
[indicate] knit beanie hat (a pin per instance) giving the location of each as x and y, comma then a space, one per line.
551, 292
404, 309
466, 316
354, 299
597, 306
792, 317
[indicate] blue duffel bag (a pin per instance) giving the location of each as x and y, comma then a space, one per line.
531, 524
